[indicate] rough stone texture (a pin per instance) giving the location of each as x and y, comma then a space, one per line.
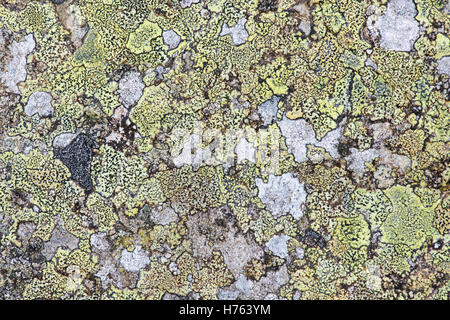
60, 239
164, 215
72, 19
214, 230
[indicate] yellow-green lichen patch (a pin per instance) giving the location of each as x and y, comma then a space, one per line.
410, 222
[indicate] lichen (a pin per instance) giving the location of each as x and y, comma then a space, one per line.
267, 149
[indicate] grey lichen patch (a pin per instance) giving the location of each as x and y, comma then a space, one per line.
77, 157
60, 238
26, 230
63, 139
14, 69
299, 133
163, 215
238, 32
370, 63
398, 27
108, 272
187, 3
99, 241
444, 65
171, 38
268, 110
245, 151
134, 261
294, 195
216, 230
131, 88
41, 103
265, 288
108, 261
305, 17
447, 8
357, 160
278, 245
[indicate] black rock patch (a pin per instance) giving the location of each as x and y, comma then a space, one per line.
77, 158
313, 239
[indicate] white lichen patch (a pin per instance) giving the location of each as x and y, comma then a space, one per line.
171, 39
357, 159
305, 17
268, 110
131, 88
40, 103
398, 28
134, 261
163, 215
278, 245
444, 65
245, 151
192, 153
98, 241
14, 70
299, 133
187, 3
238, 33
63, 139
292, 191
